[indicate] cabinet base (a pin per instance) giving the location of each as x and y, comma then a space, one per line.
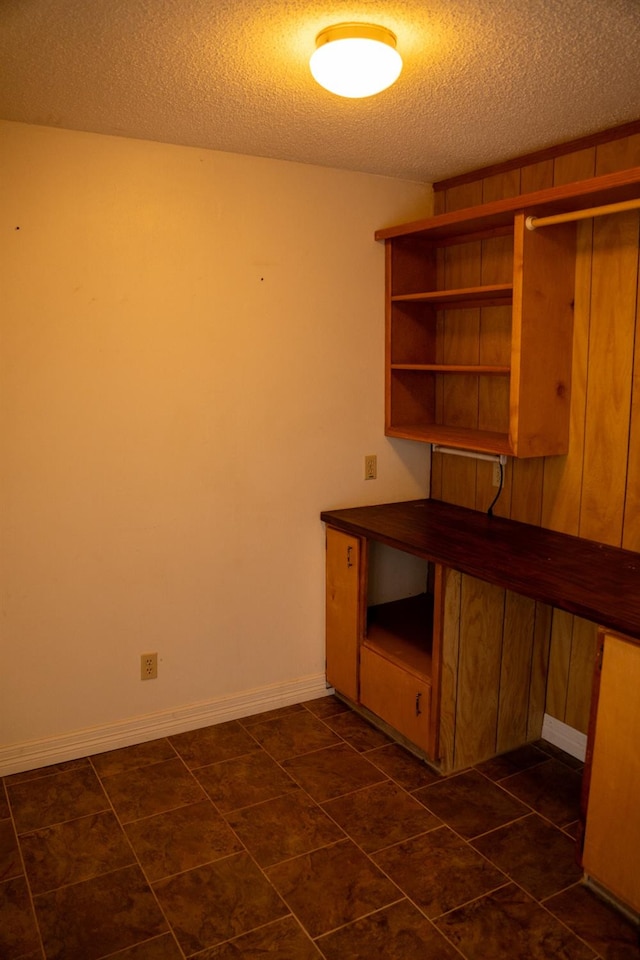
390, 731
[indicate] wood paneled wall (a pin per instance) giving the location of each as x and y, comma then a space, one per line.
593, 491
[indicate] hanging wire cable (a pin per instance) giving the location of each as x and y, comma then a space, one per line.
495, 499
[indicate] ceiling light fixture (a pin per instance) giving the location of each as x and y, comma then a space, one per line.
355, 59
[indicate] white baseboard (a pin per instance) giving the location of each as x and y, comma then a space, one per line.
81, 743
562, 735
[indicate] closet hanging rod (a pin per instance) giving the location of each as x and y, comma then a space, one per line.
474, 454
534, 222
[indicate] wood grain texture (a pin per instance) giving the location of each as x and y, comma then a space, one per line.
536, 176
465, 195
562, 483
631, 529
400, 698
460, 343
481, 612
501, 185
611, 507
344, 612
450, 651
551, 153
559, 662
526, 490
612, 839
542, 336
611, 340
618, 154
515, 671
579, 165
581, 664
539, 670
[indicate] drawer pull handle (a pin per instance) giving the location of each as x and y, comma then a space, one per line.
349, 562
418, 710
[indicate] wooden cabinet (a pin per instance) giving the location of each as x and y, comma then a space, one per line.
378, 656
479, 322
457, 684
612, 837
345, 577
483, 675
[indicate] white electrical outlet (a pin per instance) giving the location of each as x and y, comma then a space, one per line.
148, 666
371, 467
497, 475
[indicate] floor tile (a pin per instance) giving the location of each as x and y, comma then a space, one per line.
282, 940
574, 829
606, 930
245, 780
357, 732
551, 788
10, 862
551, 750
439, 871
154, 789
398, 932
62, 796
376, 854
332, 886
251, 721
73, 851
403, 767
181, 839
39, 772
293, 735
4, 803
326, 706
213, 744
218, 901
513, 762
508, 923
332, 772
130, 758
163, 947
380, 815
99, 916
18, 932
470, 804
284, 828
534, 853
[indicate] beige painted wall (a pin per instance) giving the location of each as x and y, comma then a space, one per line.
191, 369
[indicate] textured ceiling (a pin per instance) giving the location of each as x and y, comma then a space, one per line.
484, 80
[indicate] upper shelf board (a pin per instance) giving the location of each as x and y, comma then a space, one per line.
597, 191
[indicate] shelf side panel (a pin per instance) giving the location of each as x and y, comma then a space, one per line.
542, 338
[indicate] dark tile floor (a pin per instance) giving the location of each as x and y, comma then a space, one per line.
299, 834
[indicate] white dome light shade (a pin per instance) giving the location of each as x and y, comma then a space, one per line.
355, 59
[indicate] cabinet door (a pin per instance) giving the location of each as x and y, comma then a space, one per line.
401, 698
612, 837
344, 610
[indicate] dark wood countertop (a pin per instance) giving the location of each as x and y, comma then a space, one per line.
593, 580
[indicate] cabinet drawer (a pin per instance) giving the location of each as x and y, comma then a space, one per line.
396, 696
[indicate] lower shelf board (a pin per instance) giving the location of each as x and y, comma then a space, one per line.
463, 438
402, 632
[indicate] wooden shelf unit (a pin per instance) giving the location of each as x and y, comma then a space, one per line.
479, 322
